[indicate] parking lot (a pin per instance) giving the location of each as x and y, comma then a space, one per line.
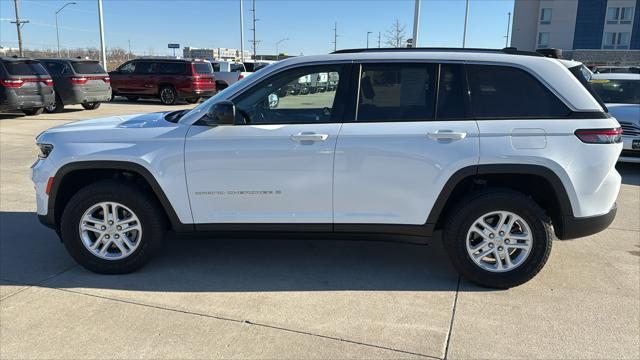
205, 296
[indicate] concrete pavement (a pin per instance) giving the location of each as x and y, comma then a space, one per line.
207, 297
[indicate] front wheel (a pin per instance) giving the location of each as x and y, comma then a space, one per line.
91, 105
498, 238
192, 100
112, 227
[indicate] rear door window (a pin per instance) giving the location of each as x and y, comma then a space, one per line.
25, 68
174, 68
88, 67
128, 68
508, 92
397, 92
54, 68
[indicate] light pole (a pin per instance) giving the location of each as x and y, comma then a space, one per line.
416, 22
103, 48
368, 33
57, 31
241, 32
277, 44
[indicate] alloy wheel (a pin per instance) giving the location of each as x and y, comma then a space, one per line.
110, 230
499, 241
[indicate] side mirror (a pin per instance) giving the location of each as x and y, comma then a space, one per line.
273, 101
221, 113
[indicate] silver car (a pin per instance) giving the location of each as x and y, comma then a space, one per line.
621, 93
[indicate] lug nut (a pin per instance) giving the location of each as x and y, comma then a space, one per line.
499, 248
507, 241
119, 227
110, 222
103, 227
107, 236
116, 236
501, 233
491, 236
490, 246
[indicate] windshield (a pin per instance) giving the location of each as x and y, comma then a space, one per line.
617, 91
25, 68
88, 67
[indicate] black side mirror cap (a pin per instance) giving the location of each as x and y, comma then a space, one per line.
221, 113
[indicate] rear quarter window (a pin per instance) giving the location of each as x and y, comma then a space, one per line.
202, 68
503, 92
174, 68
25, 68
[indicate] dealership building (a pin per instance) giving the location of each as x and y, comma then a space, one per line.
213, 53
592, 31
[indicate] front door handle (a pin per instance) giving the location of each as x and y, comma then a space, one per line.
446, 135
306, 136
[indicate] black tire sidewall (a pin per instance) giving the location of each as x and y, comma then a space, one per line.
464, 216
91, 105
128, 195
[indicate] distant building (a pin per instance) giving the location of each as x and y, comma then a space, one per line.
214, 53
592, 31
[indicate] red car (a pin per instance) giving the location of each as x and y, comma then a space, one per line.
169, 80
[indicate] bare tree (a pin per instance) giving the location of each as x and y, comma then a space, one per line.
115, 56
395, 36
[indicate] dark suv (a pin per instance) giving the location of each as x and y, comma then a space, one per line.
24, 85
77, 81
166, 79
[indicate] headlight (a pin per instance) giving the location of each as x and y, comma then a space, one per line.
45, 150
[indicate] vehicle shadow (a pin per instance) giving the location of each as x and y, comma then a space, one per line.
31, 253
145, 101
630, 173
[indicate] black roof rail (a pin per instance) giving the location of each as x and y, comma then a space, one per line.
507, 50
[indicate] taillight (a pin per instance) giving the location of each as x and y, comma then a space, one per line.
240, 77
600, 136
81, 80
10, 83
106, 79
48, 82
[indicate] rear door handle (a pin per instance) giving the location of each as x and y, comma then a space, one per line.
305, 136
446, 135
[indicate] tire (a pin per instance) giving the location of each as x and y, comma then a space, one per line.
132, 98
461, 226
33, 111
91, 105
130, 197
57, 107
168, 95
192, 100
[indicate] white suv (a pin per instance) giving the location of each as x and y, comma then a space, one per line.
500, 149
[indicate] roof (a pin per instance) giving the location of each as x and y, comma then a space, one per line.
615, 76
67, 59
171, 59
11, 58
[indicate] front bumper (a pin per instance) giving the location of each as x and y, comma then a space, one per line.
576, 227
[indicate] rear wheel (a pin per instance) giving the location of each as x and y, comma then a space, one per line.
56, 107
111, 227
33, 111
91, 105
168, 95
132, 98
498, 238
192, 100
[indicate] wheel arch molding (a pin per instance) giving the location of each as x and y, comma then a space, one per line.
54, 210
557, 203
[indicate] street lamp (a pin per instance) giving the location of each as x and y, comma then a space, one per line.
277, 44
368, 32
57, 32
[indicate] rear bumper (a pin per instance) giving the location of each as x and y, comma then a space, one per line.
11, 101
577, 227
198, 93
82, 97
